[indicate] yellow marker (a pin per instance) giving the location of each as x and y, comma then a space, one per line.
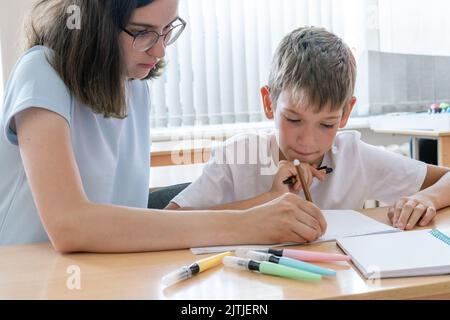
187, 272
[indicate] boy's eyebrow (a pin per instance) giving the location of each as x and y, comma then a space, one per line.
297, 114
332, 118
294, 111
291, 111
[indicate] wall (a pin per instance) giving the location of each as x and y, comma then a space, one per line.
12, 14
415, 26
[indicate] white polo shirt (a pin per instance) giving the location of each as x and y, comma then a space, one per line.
361, 172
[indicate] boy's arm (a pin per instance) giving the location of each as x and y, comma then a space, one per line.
285, 170
437, 186
421, 207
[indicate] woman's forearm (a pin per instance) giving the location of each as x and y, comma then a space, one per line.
246, 204
110, 229
238, 205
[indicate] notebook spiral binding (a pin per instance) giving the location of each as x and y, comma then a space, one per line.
441, 236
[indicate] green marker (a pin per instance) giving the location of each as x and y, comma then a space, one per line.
269, 268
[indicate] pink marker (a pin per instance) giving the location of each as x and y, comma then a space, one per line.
307, 255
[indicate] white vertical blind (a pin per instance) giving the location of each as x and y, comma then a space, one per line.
264, 25
226, 79
159, 106
217, 67
252, 57
194, 15
186, 74
173, 98
211, 63
238, 70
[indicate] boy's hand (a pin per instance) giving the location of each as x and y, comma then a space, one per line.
288, 218
286, 169
410, 211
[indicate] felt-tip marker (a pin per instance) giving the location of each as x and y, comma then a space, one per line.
297, 264
308, 256
269, 268
191, 270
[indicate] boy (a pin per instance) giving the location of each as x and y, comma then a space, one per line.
310, 97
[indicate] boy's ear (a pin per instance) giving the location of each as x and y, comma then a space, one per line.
347, 111
267, 102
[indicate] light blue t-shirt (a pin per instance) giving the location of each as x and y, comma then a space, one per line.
112, 154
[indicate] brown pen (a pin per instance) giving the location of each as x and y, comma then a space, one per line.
302, 180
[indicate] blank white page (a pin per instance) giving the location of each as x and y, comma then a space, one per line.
348, 223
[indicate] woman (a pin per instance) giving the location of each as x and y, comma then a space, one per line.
75, 140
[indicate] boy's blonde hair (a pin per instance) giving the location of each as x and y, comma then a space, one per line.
315, 64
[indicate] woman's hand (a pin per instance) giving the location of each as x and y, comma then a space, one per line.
288, 218
286, 170
410, 211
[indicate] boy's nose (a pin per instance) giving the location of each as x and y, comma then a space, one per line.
306, 138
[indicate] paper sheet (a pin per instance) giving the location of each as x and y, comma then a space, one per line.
405, 254
341, 223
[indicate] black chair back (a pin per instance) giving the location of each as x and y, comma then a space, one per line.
160, 198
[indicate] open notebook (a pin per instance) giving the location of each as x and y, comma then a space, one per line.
410, 253
341, 223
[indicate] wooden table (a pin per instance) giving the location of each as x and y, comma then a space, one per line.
183, 152
38, 272
442, 137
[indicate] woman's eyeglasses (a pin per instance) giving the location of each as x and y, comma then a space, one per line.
145, 40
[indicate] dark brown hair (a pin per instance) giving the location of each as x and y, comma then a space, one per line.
88, 59
315, 64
